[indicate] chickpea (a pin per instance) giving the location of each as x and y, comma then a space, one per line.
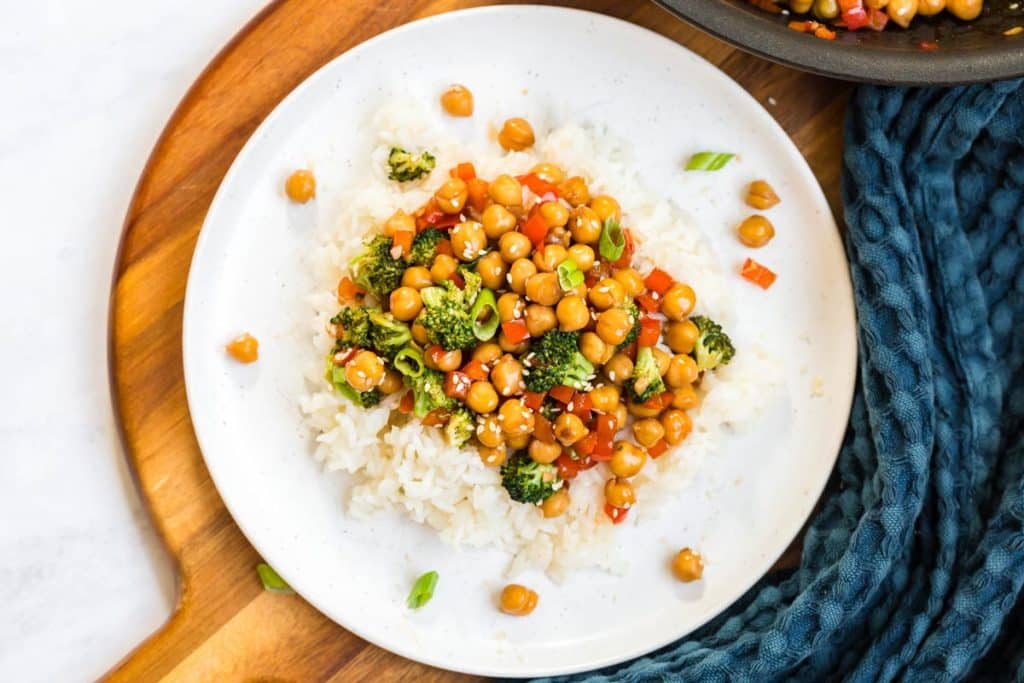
619, 368
607, 293
516, 135
967, 10
621, 415
592, 347
549, 173
556, 504
447, 361
244, 348
507, 376
405, 303
678, 301
627, 459
514, 246
540, 319
825, 9
452, 195
685, 398
606, 207
687, 565
677, 425
492, 270
549, 256
682, 371
663, 360
364, 371
468, 240
510, 307
801, 6
569, 429
544, 453
497, 220
508, 346
558, 235
391, 383
300, 186
647, 432
756, 231
583, 256
619, 493
630, 280
417, 277
585, 225
543, 288
488, 352
613, 325
443, 268
506, 190
642, 410
399, 221
575, 191
555, 215
493, 456
928, 8
419, 333
515, 417
518, 442
681, 336
489, 432
517, 600
457, 101
761, 195
605, 398
572, 313
482, 398
903, 11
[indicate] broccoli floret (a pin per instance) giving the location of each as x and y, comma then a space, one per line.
365, 399
446, 314
556, 359
550, 409
634, 331
713, 347
424, 247
428, 393
368, 327
356, 329
646, 381
527, 481
406, 166
460, 428
375, 270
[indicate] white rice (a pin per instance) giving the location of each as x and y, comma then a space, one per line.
404, 466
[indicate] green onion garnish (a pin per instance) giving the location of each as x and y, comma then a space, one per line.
341, 385
485, 315
708, 161
569, 275
422, 590
409, 362
612, 241
271, 580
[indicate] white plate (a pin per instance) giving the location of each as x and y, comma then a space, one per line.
247, 273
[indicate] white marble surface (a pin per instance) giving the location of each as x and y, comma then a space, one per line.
87, 87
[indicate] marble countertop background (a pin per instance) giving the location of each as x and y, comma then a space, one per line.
87, 88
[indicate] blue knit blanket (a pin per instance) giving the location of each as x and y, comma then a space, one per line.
913, 569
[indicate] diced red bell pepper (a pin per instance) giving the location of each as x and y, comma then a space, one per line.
648, 303
407, 403
605, 429
617, 515
855, 18
630, 351
457, 384
567, 467
515, 330
929, 45
650, 332
457, 280
657, 449
475, 370
581, 406
437, 417
602, 451
445, 247
534, 399
349, 291
659, 281
477, 191
877, 19
537, 185
465, 170
536, 228
586, 445
434, 354
627, 251
562, 393
662, 400
343, 357
825, 33
542, 430
401, 243
756, 273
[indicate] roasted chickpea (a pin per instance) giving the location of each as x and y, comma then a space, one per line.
647, 432
517, 600
506, 344
486, 353
549, 256
399, 221
825, 9
630, 280
457, 101
572, 313
497, 220
507, 376
621, 415
482, 398
558, 235
489, 432
761, 195
506, 190
903, 11
419, 333
452, 195
417, 277
575, 191
627, 459
519, 273
405, 303
619, 368
804, 6
619, 493
583, 256
468, 240
682, 371
544, 453
549, 173
663, 360
540, 319
642, 410
543, 288
613, 325
516, 135
510, 307
515, 417
592, 347
514, 246
518, 442
755, 231
605, 398
364, 371
447, 361
443, 268
678, 301
607, 293
493, 456
685, 398
569, 429
606, 207
391, 383
677, 425
681, 336
555, 215
585, 225
492, 270
967, 10
300, 186
687, 565
556, 504
928, 8
244, 348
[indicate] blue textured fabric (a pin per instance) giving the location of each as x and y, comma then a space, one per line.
913, 569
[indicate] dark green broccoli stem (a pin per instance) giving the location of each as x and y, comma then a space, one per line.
646, 382
406, 166
527, 481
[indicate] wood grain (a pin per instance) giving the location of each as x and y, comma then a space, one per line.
225, 627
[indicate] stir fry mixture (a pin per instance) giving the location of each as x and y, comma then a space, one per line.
853, 15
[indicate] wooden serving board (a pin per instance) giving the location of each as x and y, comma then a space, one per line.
225, 627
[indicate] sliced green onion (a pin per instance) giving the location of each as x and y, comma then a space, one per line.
485, 315
569, 275
271, 580
708, 161
612, 241
422, 590
341, 385
409, 362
